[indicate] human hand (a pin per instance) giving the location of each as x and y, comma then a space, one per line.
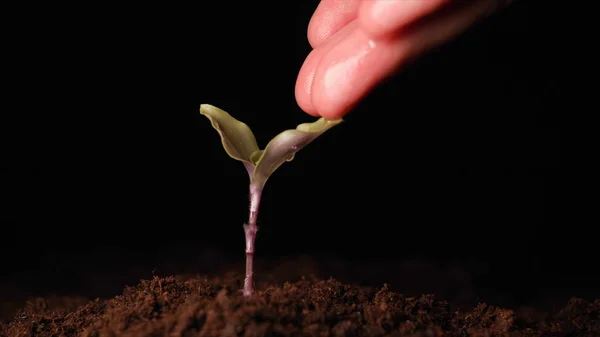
359, 43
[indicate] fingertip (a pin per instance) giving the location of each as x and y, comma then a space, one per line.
330, 17
334, 87
316, 32
334, 112
304, 83
366, 18
351, 70
302, 93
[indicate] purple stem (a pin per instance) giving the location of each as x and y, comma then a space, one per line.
250, 230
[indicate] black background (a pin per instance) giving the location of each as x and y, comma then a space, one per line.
456, 166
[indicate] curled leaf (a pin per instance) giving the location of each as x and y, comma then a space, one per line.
239, 142
237, 138
284, 146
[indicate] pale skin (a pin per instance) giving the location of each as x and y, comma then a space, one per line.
357, 44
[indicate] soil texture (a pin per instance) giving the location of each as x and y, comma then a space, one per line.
200, 306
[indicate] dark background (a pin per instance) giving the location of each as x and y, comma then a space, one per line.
451, 178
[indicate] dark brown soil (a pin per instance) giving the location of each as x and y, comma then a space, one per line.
197, 306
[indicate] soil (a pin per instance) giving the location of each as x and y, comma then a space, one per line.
201, 306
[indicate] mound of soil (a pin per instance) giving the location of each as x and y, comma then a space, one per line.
198, 306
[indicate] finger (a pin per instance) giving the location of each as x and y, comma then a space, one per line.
329, 17
382, 17
350, 70
357, 64
306, 75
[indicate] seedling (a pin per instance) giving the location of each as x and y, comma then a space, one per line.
240, 144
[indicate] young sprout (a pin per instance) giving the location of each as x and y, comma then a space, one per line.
240, 144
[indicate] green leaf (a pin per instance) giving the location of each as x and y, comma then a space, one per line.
239, 142
237, 138
284, 146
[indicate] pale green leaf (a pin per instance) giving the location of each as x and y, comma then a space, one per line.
256, 156
284, 146
237, 138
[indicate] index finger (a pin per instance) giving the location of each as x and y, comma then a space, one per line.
329, 17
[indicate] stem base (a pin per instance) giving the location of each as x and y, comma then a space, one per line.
250, 230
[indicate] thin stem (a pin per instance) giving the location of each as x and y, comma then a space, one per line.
250, 230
